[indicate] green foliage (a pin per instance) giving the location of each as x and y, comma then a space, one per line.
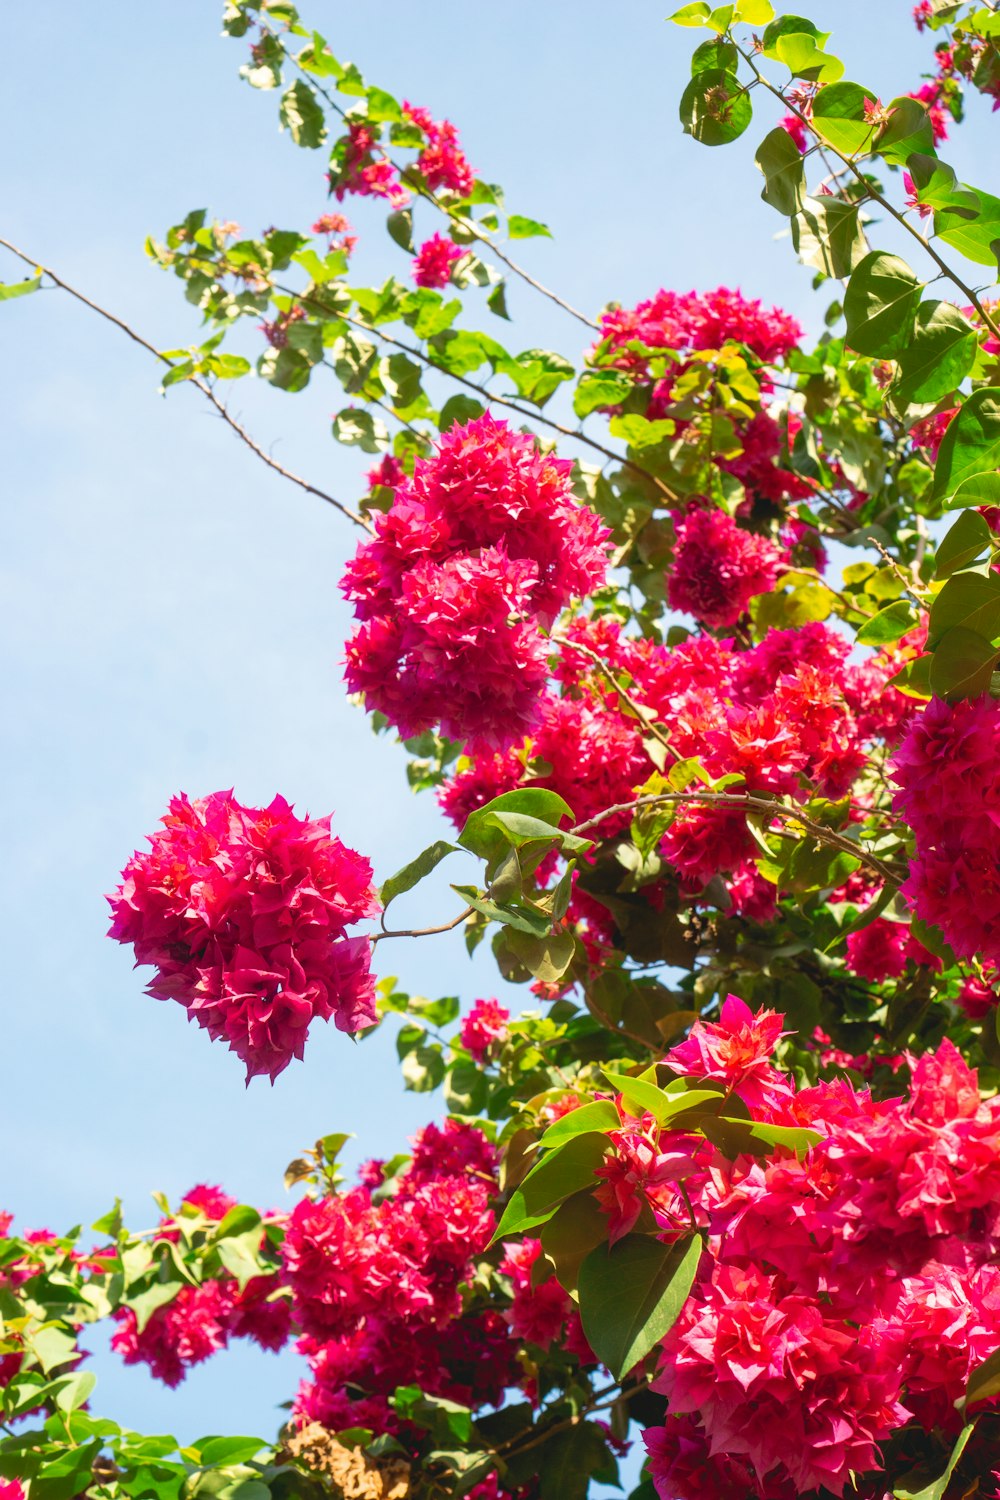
631, 1294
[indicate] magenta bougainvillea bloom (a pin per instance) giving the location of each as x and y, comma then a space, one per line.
441, 160
718, 567
244, 913
947, 770
479, 552
485, 1024
433, 261
843, 1293
689, 321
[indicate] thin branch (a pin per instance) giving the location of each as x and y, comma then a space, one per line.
757, 804
201, 385
656, 730
413, 932
490, 397
468, 226
878, 197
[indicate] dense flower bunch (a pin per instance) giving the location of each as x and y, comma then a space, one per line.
433, 261
376, 1287
361, 167
482, 548
718, 567
791, 715
660, 339
484, 1025
441, 160
690, 321
948, 773
202, 1319
844, 1294
244, 914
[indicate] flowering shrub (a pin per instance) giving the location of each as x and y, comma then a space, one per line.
694, 635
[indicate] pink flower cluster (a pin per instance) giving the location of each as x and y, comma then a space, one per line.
633, 338
843, 1295
791, 715
719, 566
202, 1319
338, 232
434, 260
484, 1025
366, 170
691, 321
947, 770
244, 913
376, 1287
442, 160
481, 549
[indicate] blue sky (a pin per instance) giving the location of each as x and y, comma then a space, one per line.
172, 618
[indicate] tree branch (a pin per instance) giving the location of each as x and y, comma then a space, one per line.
201, 385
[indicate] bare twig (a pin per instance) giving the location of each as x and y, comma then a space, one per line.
201, 385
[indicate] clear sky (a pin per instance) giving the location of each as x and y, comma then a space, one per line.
171, 613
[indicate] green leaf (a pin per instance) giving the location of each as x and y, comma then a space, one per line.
423, 1068
465, 1088
971, 600
983, 489
755, 1138
963, 664
715, 107
631, 1294
355, 426
483, 836
888, 625
600, 1115
937, 1487
974, 233
715, 53
520, 228
838, 116
241, 1219
566, 1462
497, 301
76, 1390
937, 360
971, 445
804, 58
228, 1450
459, 408
9, 289
302, 116
695, 14
967, 539
780, 160
984, 1380
412, 873
601, 388
790, 26
640, 1095
547, 958
827, 234
555, 1178
906, 133
536, 373
400, 227
880, 305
